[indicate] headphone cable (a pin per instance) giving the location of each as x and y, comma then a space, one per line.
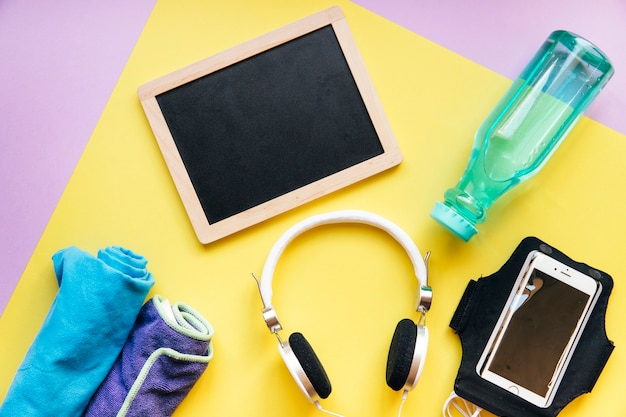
465, 408
405, 394
319, 407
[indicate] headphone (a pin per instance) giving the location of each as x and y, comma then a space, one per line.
407, 352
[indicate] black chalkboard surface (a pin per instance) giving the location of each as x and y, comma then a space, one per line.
269, 125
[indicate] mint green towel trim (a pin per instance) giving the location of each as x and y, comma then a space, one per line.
187, 322
145, 370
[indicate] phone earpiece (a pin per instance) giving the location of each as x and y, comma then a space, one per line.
305, 367
407, 353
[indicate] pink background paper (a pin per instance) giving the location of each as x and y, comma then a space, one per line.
504, 35
60, 61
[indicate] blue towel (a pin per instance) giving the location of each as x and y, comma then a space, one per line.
87, 325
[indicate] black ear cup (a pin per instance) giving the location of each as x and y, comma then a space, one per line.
401, 354
311, 365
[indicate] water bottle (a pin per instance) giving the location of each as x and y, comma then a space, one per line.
525, 127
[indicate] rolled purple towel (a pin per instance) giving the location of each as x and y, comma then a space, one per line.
165, 354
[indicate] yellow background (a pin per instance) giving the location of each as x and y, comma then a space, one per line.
344, 287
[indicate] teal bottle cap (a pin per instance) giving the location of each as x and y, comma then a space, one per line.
452, 220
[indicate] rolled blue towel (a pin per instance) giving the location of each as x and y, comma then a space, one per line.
167, 351
85, 329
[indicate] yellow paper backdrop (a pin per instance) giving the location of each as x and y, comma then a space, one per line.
344, 287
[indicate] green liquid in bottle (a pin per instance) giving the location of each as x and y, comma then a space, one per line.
526, 126
511, 145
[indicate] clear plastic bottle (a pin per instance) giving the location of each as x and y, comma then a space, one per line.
525, 127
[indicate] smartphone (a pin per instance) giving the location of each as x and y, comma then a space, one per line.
538, 329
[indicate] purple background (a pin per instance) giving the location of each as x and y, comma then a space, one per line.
504, 35
60, 61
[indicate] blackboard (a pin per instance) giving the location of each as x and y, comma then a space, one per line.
269, 125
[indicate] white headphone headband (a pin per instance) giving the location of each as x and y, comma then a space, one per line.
344, 216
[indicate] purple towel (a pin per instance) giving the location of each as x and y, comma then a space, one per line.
167, 351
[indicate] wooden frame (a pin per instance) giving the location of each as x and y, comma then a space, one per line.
207, 231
